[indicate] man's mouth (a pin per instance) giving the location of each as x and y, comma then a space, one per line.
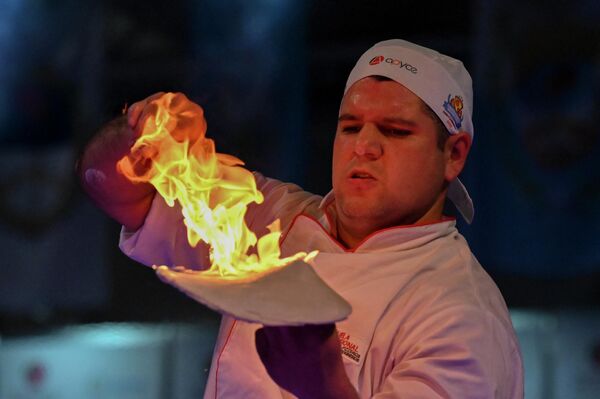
357, 174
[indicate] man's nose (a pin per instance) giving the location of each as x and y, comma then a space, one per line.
368, 142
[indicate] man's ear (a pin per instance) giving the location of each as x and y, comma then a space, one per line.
456, 150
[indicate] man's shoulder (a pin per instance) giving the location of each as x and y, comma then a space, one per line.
453, 279
283, 201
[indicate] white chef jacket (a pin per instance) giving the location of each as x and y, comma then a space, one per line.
426, 322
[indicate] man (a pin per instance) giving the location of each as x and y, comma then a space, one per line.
427, 320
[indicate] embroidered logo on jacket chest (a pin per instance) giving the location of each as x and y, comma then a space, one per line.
351, 348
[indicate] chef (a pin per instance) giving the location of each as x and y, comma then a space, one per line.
427, 321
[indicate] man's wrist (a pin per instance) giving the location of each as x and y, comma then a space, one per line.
334, 385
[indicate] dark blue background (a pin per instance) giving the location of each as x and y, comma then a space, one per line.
270, 76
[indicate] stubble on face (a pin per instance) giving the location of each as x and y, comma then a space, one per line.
385, 135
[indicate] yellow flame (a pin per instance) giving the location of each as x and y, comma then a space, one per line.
213, 190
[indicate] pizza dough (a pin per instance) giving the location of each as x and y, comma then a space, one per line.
287, 296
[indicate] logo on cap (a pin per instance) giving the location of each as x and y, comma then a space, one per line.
453, 108
376, 60
400, 64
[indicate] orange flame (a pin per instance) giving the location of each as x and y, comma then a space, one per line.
213, 190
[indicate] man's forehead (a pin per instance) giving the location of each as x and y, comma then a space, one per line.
371, 93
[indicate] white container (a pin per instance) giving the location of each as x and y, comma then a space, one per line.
108, 361
577, 366
536, 332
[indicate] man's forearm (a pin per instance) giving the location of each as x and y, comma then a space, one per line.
335, 386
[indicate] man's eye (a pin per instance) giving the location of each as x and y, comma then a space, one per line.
395, 132
350, 129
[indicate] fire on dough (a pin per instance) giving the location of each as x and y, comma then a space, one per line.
291, 295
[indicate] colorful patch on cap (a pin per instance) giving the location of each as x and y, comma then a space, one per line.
453, 108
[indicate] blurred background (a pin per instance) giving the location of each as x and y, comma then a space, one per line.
270, 75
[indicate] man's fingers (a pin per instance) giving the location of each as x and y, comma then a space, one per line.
150, 110
135, 111
300, 335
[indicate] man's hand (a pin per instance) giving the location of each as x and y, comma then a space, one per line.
139, 111
305, 360
124, 201
189, 116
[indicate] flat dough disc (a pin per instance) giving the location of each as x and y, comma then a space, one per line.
287, 296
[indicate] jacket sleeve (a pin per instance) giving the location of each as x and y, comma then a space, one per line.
162, 239
461, 352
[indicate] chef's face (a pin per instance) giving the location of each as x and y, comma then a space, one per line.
388, 169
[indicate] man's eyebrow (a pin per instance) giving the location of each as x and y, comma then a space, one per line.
391, 120
400, 121
347, 117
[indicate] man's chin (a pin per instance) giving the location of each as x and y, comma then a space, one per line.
358, 208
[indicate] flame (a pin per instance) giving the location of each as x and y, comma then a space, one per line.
213, 190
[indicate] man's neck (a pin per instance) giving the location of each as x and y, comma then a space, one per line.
351, 234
